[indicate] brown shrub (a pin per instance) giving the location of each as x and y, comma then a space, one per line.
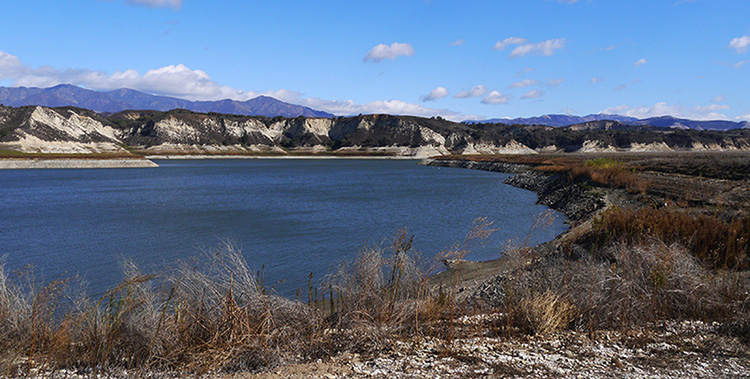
639, 284
714, 241
612, 174
602, 171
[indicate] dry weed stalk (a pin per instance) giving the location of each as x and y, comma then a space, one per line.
481, 229
378, 295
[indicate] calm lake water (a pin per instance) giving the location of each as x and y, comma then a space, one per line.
293, 216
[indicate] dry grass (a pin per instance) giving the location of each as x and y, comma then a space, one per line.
614, 170
547, 312
716, 242
217, 316
610, 173
600, 171
637, 285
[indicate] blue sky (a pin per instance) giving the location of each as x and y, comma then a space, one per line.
457, 59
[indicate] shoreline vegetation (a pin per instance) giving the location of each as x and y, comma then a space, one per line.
651, 280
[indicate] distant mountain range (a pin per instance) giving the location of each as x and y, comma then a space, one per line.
559, 120
128, 99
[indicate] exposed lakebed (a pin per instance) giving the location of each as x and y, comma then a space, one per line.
292, 217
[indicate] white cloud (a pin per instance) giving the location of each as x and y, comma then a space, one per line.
596, 80
524, 83
10, 66
718, 99
495, 97
500, 45
741, 63
709, 112
395, 50
544, 48
552, 83
533, 94
740, 44
437, 93
396, 107
174, 80
458, 42
640, 62
524, 71
568, 111
744, 117
157, 3
622, 87
475, 91
625, 86
182, 82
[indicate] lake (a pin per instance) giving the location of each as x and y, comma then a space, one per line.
290, 216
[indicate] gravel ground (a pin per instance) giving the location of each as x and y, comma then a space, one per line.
689, 349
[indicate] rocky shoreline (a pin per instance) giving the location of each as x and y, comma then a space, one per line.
577, 201
556, 191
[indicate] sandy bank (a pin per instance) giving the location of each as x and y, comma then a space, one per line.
189, 156
24, 163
